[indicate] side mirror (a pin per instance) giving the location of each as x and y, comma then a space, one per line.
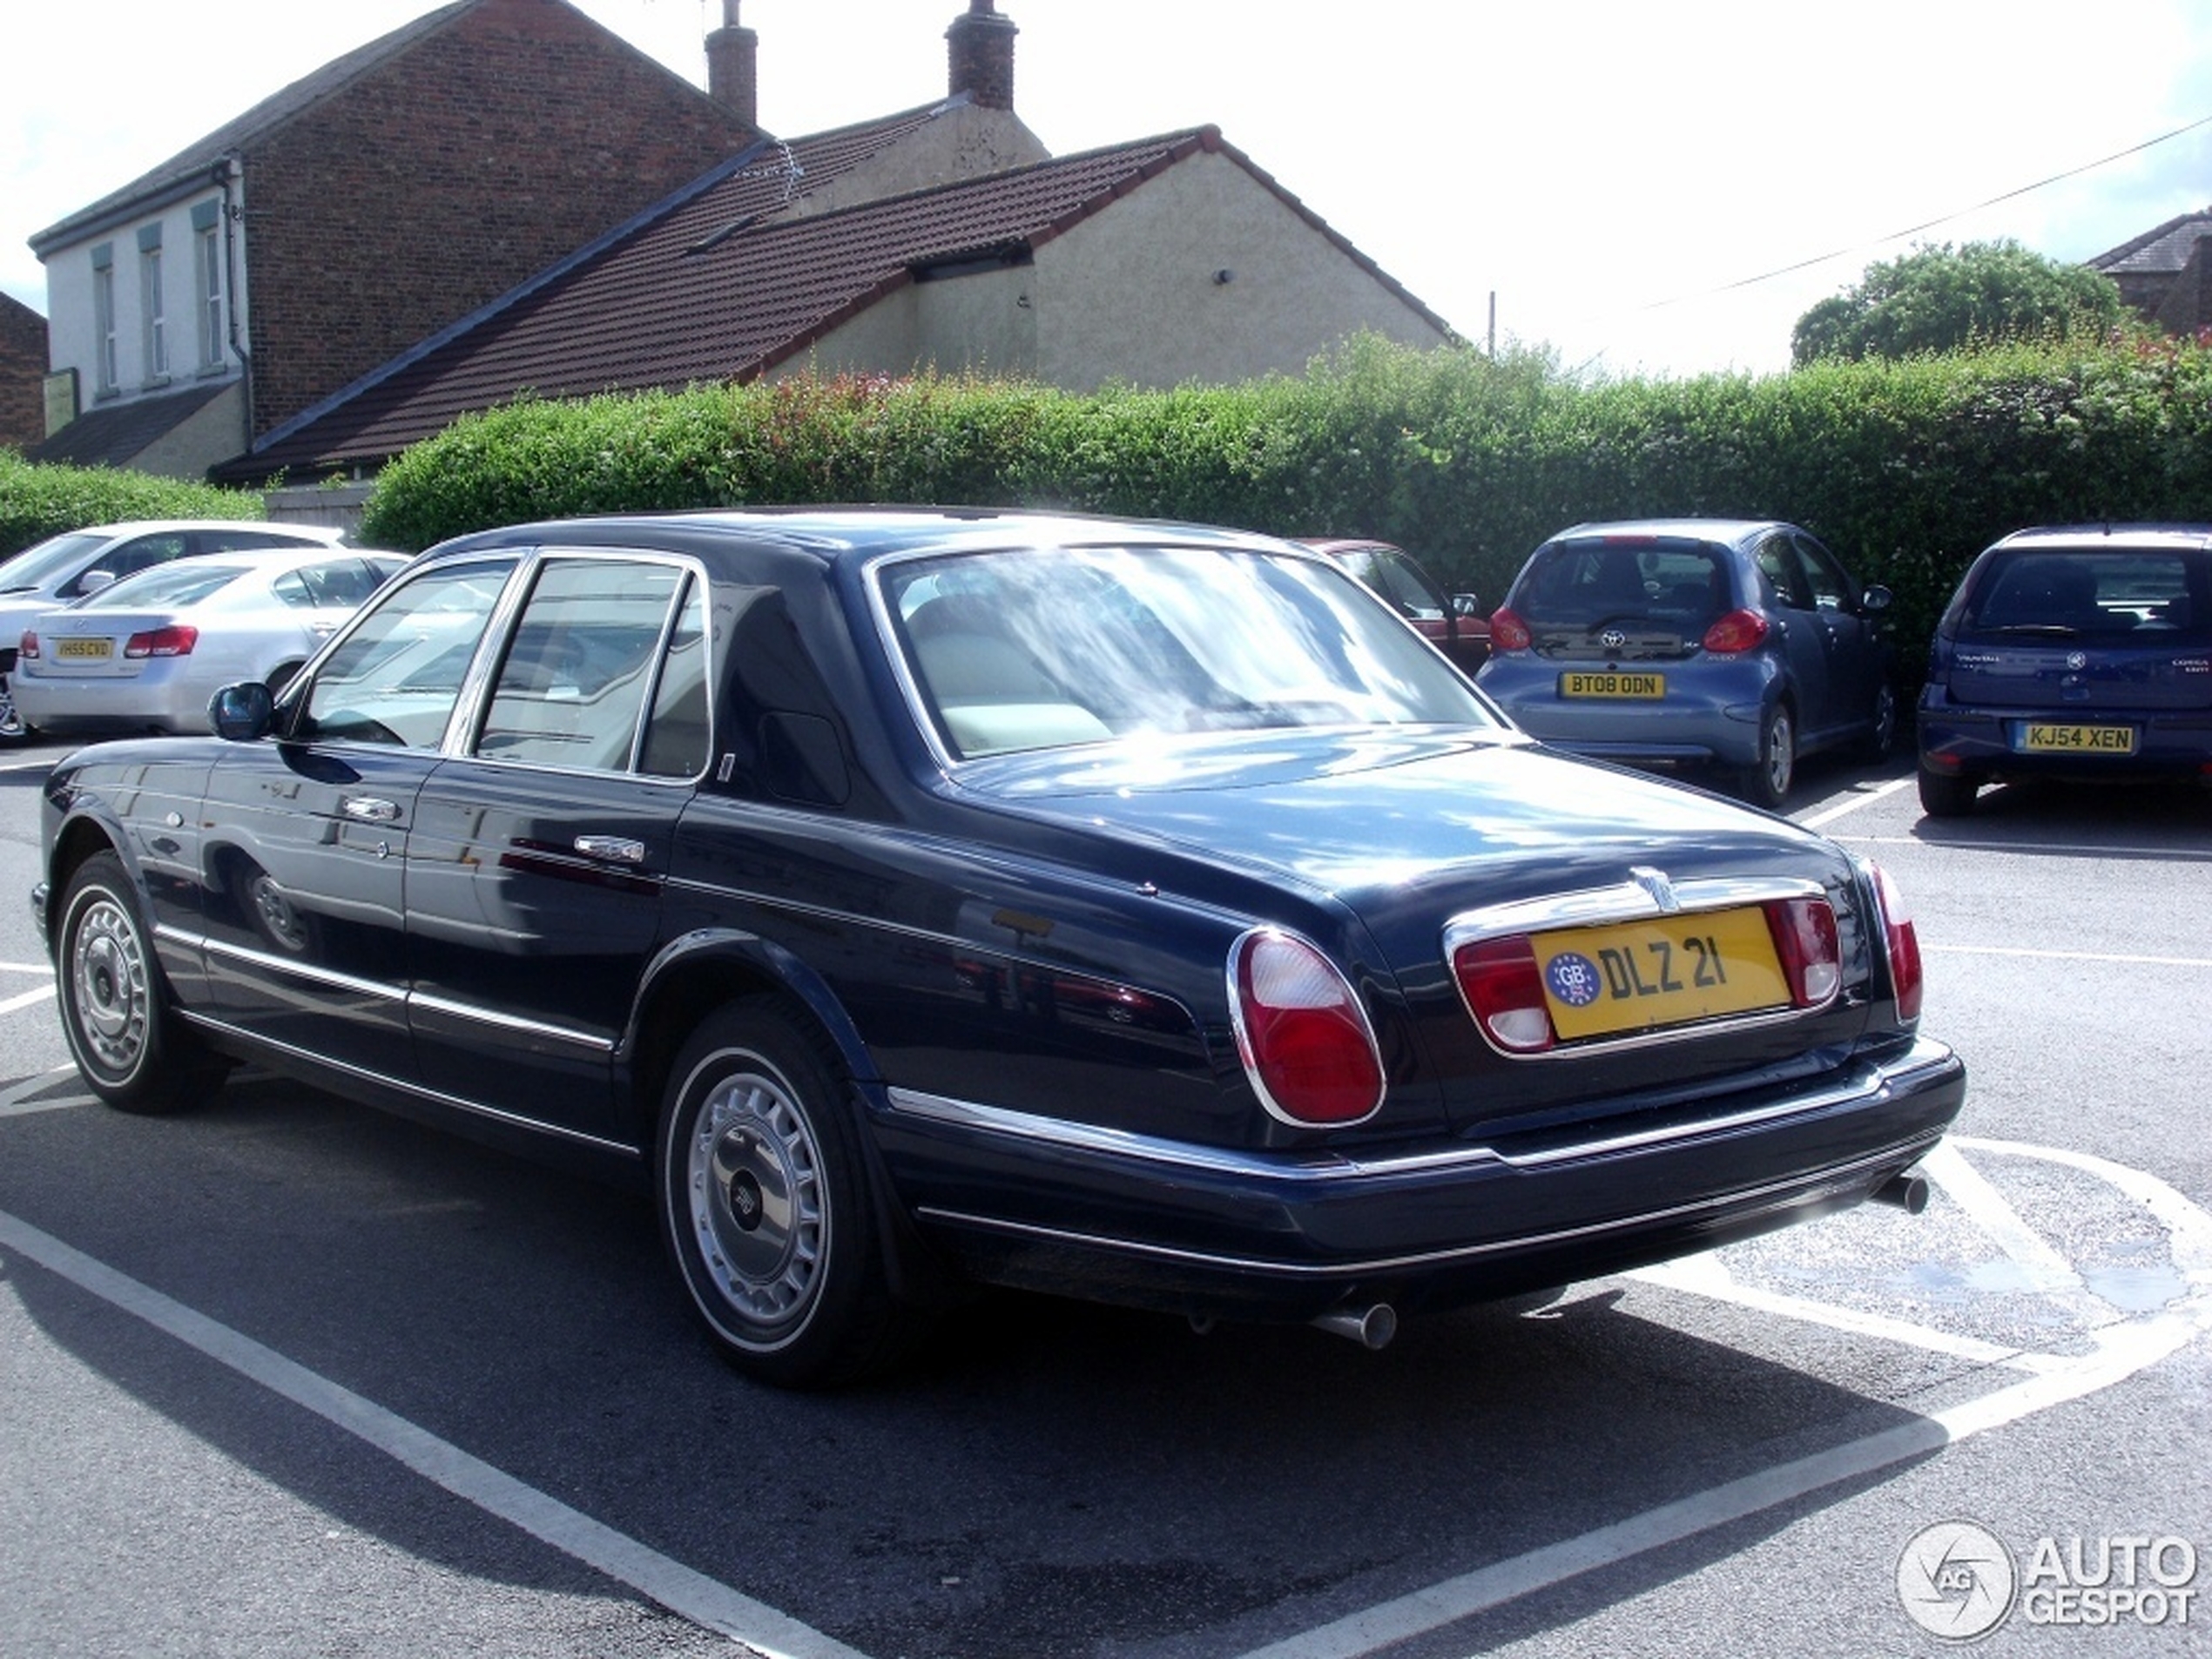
1877, 598
1466, 605
242, 712
93, 581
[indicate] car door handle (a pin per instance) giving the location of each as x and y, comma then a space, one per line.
619, 848
369, 810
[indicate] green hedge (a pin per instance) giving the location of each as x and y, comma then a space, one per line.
1906, 467
39, 501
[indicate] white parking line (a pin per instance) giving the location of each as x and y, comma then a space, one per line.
674, 1586
44, 971
1821, 820
2121, 1350
2068, 955
16, 1100
2036, 849
27, 999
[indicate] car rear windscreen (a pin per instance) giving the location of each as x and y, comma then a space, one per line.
2149, 597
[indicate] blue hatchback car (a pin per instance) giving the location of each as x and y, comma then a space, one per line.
1739, 645
2079, 652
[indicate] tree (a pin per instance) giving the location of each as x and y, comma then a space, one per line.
1940, 299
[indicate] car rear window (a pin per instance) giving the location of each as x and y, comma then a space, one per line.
1583, 583
2145, 597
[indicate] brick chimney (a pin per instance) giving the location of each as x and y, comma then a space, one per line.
732, 66
981, 51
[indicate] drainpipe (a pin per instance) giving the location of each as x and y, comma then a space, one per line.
227, 173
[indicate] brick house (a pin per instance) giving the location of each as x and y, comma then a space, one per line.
942, 237
22, 374
352, 213
2165, 275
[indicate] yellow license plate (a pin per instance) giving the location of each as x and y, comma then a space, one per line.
2042, 739
1611, 684
1641, 975
84, 649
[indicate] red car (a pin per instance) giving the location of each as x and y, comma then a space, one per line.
1454, 624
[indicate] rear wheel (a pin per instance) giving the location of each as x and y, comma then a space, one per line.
1945, 794
114, 1004
12, 730
1766, 781
765, 1205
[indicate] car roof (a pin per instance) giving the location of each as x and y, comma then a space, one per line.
162, 526
851, 535
2109, 538
1729, 530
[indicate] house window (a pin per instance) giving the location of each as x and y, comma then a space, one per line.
104, 319
210, 246
151, 312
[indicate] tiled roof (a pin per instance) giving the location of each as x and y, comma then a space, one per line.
716, 287
198, 161
2167, 248
116, 435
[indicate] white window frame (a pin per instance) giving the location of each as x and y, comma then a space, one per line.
105, 369
209, 245
153, 314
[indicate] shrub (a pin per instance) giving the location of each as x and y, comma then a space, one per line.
39, 501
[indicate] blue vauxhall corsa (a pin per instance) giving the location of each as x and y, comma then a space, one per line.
2081, 652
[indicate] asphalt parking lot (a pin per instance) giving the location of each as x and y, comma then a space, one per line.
287, 1376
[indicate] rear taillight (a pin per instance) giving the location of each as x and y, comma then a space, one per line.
1303, 1036
1738, 631
162, 641
1508, 632
1902, 942
1806, 944
1505, 992
28, 645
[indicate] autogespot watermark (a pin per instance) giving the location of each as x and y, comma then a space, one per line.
1959, 1581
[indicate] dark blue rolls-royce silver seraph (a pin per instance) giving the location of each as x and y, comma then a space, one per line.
918, 898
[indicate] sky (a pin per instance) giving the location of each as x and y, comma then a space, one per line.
1640, 188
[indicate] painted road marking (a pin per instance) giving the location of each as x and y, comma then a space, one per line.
21, 1099
674, 1586
1821, 820
2120, 1349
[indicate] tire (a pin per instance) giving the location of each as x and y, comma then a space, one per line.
115, 1006
766, 1206
1880, 742
1946, 794
12, 730
1766, 781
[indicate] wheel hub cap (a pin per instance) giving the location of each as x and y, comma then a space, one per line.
756, 1198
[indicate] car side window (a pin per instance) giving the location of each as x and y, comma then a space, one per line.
396, 678
571, 689
677, 737
339, 582
132, 556
1779, 563
1831, 586
1403, 585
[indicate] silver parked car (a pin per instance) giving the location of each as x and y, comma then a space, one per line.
151, 650
69, 566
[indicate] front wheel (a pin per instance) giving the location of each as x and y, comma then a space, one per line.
1881, 735
114, 1006
764, 1203
1766, 781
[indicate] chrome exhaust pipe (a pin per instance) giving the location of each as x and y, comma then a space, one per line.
1371, 1328
1907, 1190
